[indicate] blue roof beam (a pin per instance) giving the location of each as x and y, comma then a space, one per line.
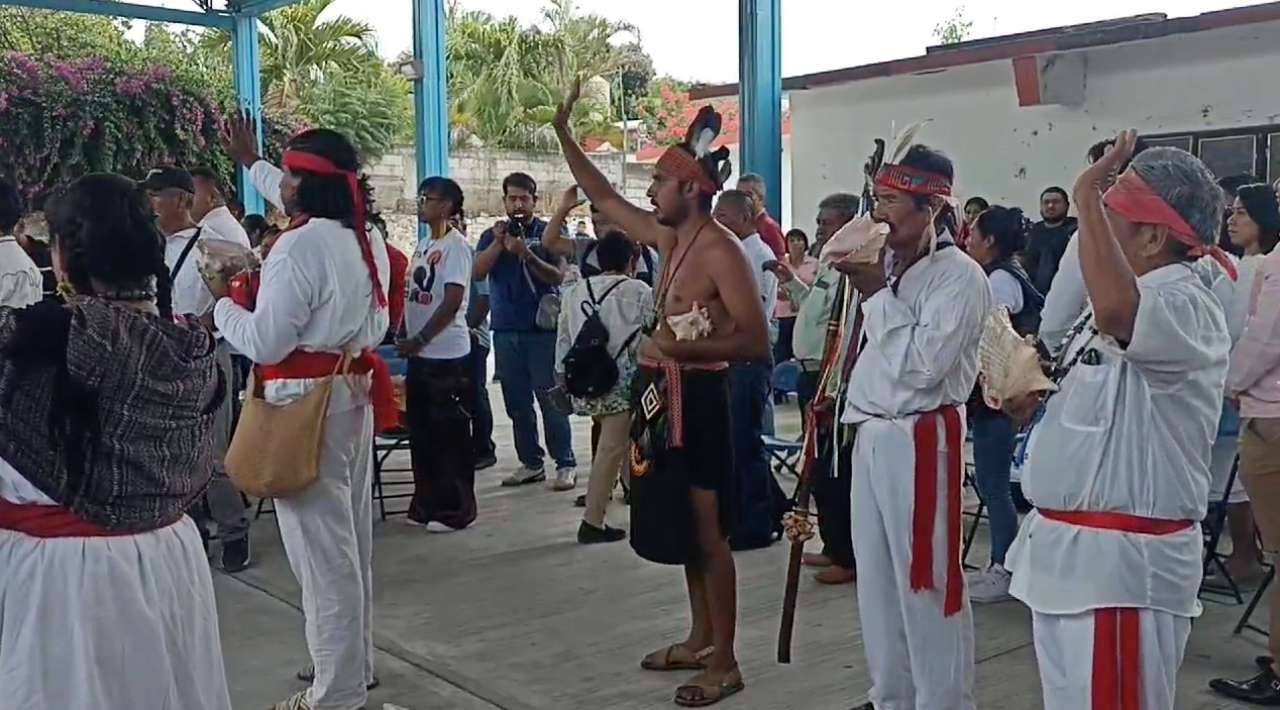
130, 10
258, 7
760, 82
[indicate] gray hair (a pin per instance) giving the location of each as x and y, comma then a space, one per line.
739, 200
845, 203
1186, 185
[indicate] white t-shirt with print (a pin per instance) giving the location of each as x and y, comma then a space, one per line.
437, 263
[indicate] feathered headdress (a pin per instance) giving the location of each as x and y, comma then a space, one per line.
693, 160
892, 174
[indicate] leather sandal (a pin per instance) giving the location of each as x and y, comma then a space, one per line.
677, 657
695, 694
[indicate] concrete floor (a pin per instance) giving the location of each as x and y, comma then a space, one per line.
513, 614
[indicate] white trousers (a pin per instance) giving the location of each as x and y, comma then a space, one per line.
918, 658
109, 623
1064, 652
328, 535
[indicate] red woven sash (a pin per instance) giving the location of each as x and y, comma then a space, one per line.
302, 364
1117, 660
49, 521
925, 510
1117, 643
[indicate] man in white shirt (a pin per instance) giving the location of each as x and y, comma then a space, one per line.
20, 278
1118, 467
323, 293
172, 193
209, 207
438, 386
914, 372
749, 389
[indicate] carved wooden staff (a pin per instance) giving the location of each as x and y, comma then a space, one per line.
821, 422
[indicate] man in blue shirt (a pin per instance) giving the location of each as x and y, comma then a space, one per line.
520, 274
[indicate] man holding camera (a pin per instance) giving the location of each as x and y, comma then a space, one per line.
522, 274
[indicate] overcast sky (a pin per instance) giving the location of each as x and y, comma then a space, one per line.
698, 39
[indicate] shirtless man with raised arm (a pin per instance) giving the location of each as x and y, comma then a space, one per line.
681, 477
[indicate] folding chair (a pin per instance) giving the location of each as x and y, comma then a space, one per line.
1211, 527
979, 513
389, 442
786, 378
784, 453
1244, 622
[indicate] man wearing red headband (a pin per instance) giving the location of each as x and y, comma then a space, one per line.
922, 317
322, 293
1118, 464
681, 477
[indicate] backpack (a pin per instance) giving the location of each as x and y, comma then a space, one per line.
1026, 321
589, 370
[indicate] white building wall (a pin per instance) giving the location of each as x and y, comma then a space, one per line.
1205, 80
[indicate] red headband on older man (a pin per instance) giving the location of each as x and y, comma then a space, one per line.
1132, 198
681, 164
304, 161
913, 180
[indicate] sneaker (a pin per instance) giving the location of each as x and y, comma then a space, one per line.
589, 534
990, 586
486, 461
435, 526
235, 555
525, 476
566, 479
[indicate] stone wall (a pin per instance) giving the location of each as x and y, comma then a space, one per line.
480, 172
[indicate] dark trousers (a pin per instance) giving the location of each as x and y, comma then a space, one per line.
482, 411
748, 396
831, 486
782, 348
831, 492
439, 394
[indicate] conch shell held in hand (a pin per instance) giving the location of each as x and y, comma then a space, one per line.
1008, 363
858, 242
694, 325
219, 261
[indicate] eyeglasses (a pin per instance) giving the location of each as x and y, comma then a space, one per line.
424, 199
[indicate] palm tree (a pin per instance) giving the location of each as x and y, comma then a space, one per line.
298, 49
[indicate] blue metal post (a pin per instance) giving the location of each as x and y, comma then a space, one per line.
430, 97
248, 79
760, 79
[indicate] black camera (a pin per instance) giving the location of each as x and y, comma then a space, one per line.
515, 229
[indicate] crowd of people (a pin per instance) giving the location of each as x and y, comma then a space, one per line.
1156, 306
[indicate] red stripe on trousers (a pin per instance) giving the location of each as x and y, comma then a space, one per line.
924, 514
1117, 660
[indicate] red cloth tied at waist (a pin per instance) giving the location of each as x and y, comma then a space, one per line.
1117, 641
303, 364
925, 512
1120, 522
1132, 198
49, 521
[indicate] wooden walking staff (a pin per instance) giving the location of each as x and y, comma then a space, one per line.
821, 421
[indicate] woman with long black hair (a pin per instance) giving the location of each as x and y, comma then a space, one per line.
105, 409
998, 234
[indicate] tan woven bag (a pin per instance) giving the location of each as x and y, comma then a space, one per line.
275, 451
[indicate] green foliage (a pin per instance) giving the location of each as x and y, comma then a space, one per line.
370, 104
954, 29
506, 80
68, 118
